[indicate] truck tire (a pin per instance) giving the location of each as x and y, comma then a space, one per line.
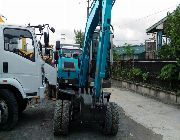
111, 122
61, 117
9, 110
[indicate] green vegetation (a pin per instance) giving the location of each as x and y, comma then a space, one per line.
145, 76
169, 72
79, 36
136, 72
166, 52
172, 30
129, 50
116, 56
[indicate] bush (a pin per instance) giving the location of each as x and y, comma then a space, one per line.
124, 73
169, 72
134, 73
166, 52
145, 76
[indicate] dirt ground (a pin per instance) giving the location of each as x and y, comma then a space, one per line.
36, 124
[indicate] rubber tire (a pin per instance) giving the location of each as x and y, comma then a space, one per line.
48, 91
11, 102
61, 117
111, 122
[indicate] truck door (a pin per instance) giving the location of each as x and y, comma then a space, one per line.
20, 57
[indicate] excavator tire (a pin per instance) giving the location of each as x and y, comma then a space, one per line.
9, 110
61, 117
111, 122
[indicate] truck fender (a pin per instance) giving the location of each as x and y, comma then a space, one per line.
13, 82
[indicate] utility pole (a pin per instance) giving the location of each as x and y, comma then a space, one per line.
88, 8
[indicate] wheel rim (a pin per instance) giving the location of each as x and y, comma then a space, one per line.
4, 111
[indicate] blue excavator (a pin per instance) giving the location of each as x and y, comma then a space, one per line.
86, 101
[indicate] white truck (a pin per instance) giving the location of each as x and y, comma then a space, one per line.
47, 54
22, 73
50, 73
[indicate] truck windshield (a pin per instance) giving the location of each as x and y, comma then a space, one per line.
70, 52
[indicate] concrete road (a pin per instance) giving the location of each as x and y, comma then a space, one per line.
161, 118
140, 119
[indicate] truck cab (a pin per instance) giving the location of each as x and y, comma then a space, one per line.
22, 73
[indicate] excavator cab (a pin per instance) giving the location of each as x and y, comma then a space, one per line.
109, 61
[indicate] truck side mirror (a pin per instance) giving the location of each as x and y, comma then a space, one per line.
56, 56
58, 45
40, 46
52, 30
40, 28
46, 39
47, 51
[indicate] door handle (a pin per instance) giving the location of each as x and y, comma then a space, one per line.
5, 67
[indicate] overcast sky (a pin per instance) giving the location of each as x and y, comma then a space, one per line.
130, 18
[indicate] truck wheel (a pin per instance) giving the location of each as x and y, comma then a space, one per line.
9, 110
111, 121
61, 117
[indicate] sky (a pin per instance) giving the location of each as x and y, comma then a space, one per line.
130, 18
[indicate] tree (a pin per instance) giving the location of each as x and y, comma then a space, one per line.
172, 31
79, 36
129, 50
116, 56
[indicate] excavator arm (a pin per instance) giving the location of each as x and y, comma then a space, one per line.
100, 15
92, 106
91, 24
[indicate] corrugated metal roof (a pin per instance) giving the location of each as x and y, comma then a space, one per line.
153, 28
138, 49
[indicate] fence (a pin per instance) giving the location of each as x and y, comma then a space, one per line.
121, 70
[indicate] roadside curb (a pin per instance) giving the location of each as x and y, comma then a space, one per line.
167, 97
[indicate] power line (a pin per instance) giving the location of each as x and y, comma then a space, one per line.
150, 15
126, 40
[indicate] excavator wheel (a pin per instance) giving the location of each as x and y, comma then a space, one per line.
111, 121
61, 117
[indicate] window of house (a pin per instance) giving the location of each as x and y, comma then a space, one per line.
19, 42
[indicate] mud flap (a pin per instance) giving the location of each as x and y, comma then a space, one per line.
41, 94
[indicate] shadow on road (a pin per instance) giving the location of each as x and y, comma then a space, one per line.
36, 123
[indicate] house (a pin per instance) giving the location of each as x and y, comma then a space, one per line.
158, 38
138, 52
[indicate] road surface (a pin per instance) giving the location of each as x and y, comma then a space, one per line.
140, 119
